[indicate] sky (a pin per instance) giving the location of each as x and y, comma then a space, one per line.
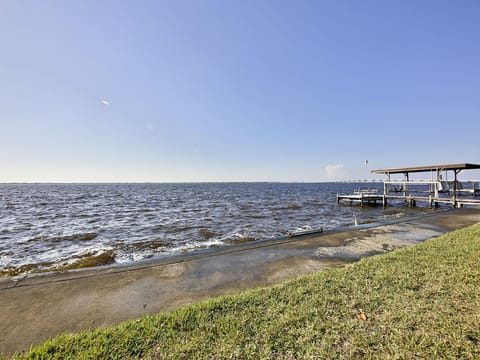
241, 90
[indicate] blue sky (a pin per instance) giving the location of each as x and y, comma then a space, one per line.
235, 90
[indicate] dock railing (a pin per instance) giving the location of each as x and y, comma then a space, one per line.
366, 191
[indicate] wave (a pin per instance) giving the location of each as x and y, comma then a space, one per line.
240, 240
147, 245
73, 238
287, 207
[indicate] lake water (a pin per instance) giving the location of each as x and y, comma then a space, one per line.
48, 227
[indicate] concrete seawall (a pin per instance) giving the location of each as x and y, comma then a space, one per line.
35, 308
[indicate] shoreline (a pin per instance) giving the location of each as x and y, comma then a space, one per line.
58, 228
212, 251
35, 308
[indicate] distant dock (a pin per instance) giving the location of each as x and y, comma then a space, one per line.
439, 189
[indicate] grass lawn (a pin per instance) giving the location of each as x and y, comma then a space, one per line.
419, 302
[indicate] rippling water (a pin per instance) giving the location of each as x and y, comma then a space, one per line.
45, 227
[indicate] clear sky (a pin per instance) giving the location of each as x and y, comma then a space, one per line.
235, 90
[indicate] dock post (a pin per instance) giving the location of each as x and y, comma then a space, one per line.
430, 202
411, 202
455, 186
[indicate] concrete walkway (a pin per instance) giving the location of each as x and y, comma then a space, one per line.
35, 308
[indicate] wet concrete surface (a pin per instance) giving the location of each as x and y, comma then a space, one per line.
35, 308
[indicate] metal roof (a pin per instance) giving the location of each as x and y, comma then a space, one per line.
465, 166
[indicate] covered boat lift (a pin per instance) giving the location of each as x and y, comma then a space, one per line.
440, 190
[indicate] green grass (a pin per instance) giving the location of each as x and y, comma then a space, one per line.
421, 302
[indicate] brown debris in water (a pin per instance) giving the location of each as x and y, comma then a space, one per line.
84, 261
206, 234
240, 240
90, 260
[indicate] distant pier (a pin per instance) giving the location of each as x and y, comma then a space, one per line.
439, 189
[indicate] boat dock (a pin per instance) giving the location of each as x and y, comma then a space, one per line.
363, 196
437, 190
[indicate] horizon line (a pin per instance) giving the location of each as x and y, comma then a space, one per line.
192, 182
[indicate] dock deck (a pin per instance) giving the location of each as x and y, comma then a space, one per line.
362, 196
370, 199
